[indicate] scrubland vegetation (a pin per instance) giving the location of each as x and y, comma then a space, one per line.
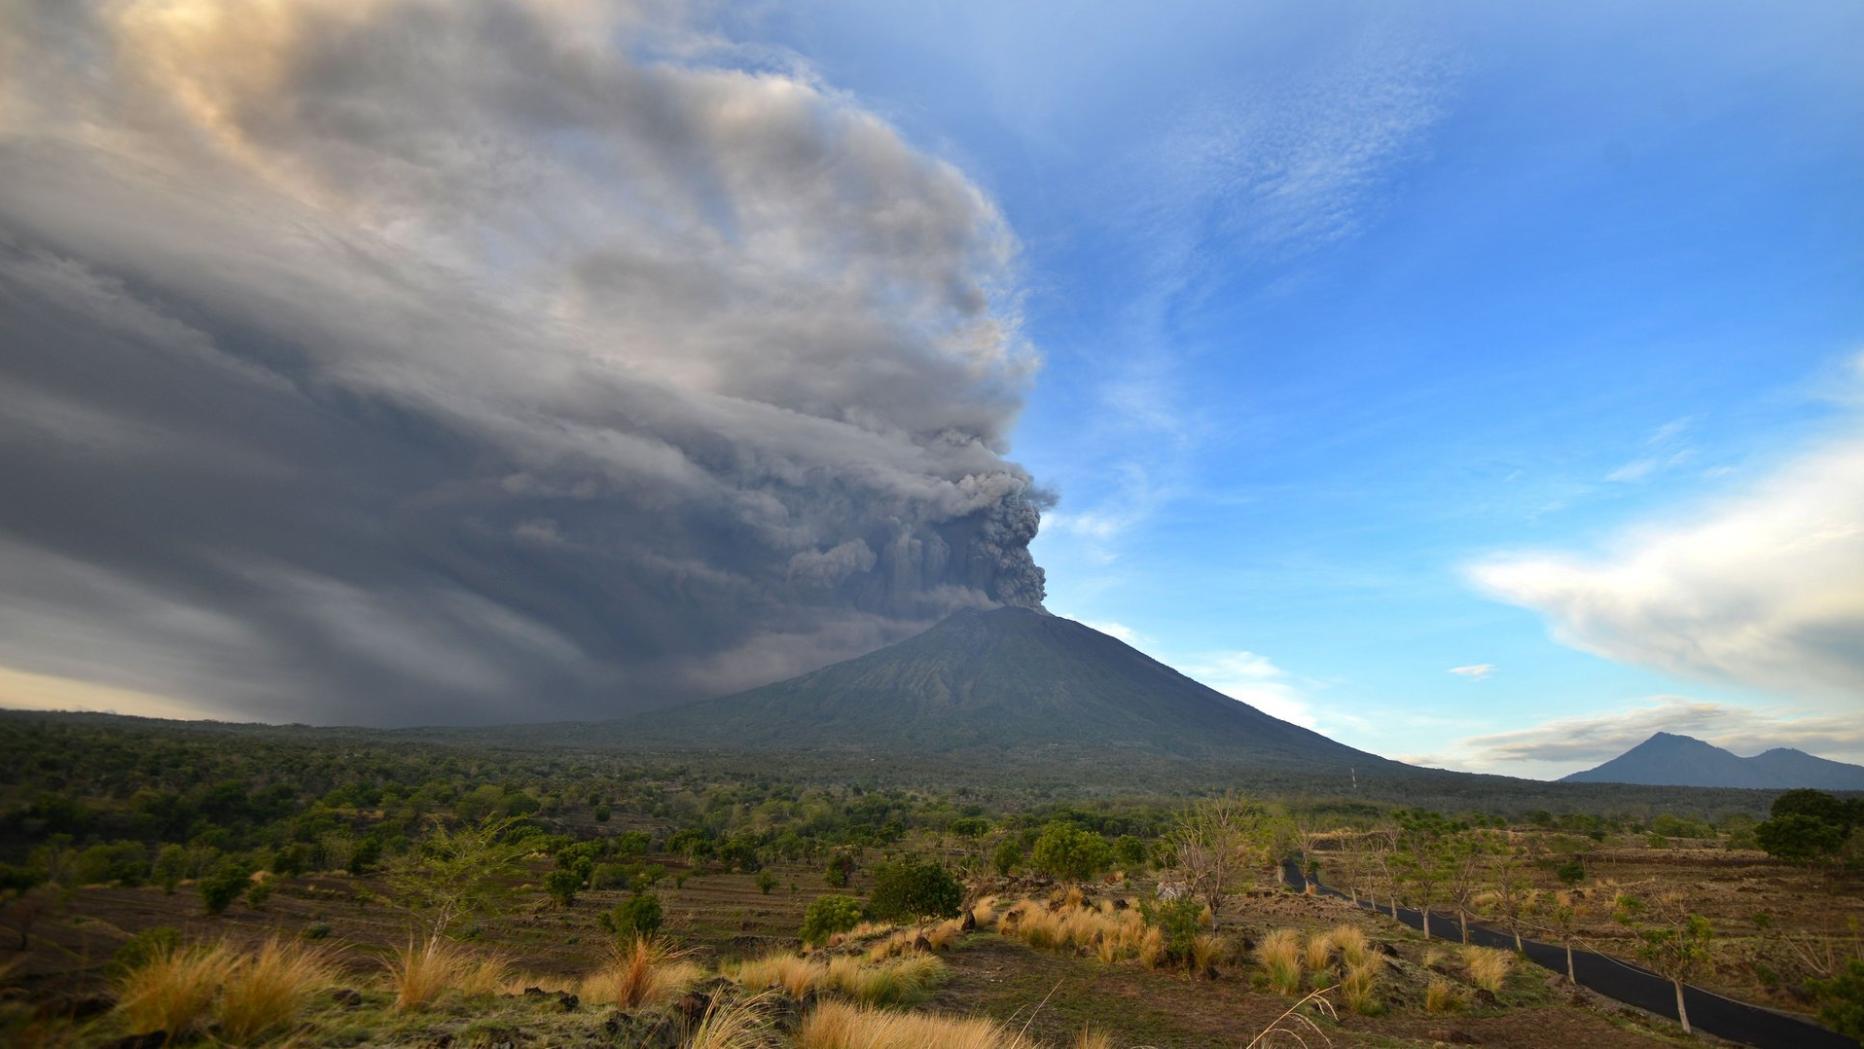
336, 890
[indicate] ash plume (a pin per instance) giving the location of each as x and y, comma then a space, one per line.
403, 361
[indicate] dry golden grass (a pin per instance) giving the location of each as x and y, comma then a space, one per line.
1152, 951
1434, 957
1488, 967
884, 983
484, 975
1351, 940
265, 993
861, 933
1317, 956
420, 973
175, 990
838, 1025
1359, 987
792, 975
735, 1024
1206, 949
647, 972
1442, 996
1279, 954
1105, 932
1092, 1039
984, 911
945, 933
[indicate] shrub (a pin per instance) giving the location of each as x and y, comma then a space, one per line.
1279, 954
1007, 856
840, 868
766, 881
907, 890
636, 916
828, 915
609, 876
267, 992
224, 884
562, 885
144, 947
1841, 1000
1178, 921
1069, 853
173, 990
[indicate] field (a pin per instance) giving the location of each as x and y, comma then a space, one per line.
1072, 923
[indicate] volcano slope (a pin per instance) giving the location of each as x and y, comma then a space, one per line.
1005, 679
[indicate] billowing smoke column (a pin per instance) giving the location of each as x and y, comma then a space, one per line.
419, 361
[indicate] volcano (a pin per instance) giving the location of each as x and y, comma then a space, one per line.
1006, 678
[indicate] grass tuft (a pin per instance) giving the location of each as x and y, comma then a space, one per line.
792, 975
1442, 996
174, 991
1279, 954
735, 1024
1488, 967
838, 1025
1359, 988
422, 972
265, 993
1318, 955
1352, 944
646, 972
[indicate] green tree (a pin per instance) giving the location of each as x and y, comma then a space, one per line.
766, 881
1179, 921
1797, 838
453, 874
563, 885
224, 884
908, 890
638, 915
1007, 856
840, 869
1220, 841
1841, 1000
828, 915
1068, 853
170, 866
1674, 941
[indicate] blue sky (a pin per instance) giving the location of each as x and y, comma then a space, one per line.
1336, 303
1482, 385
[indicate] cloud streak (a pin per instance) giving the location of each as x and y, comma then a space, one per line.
1764, 589
404, 361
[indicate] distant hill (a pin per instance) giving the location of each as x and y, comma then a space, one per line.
1681, 761
1009, 679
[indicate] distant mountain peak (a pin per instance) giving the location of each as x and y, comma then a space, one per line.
1669, 759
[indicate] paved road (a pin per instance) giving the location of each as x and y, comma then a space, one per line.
1632, 984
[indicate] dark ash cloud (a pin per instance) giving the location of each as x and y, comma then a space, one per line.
401, 362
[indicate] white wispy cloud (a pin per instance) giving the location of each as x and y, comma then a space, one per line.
1255, 679
1474, 671
1764, 588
